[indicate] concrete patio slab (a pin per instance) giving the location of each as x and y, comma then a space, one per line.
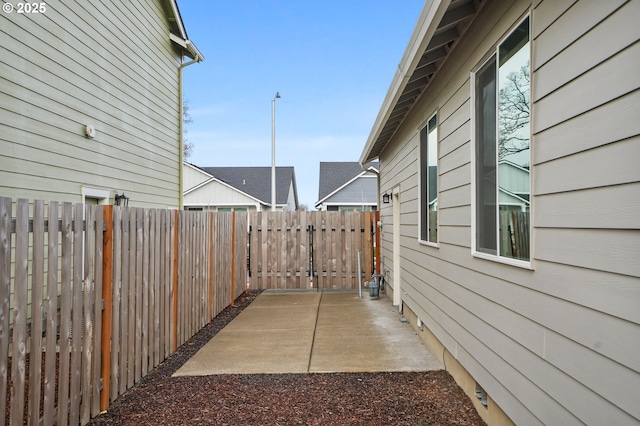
313, 332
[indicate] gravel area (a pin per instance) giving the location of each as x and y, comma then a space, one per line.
424, 398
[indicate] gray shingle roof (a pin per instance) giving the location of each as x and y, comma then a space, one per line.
256, 181
335, 174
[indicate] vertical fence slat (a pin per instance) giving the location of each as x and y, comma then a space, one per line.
137, 360
174, 285
242, 239
144, 323
5, 290
88, 313
210, 251
152, 290
168, 290
181, 275
202, 256
52, 314
18, 358
98, 299
108, 338
265, 267
65, 314
131, 288
76, 324
155, 328
37, 278
123, 354
303, 250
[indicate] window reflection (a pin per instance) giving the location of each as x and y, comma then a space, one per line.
514, 155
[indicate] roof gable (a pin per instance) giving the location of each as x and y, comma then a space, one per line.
334, 175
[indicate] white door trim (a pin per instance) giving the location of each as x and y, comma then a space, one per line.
397, 282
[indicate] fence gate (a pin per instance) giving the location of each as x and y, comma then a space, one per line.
298, 250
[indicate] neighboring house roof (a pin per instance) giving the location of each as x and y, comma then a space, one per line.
335, 175
210, 178
256, 181
440, 25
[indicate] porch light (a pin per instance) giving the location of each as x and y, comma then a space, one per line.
121, 200
386, 198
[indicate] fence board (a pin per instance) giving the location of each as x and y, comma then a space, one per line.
116, 303
111, 317
88, 313
18, 361
173, 323
76, 324
132, 284
166, 275
97, 282
52, 309
37, 278
138, 355
242, 241
5, 290
65, 314
144, 323
155, 280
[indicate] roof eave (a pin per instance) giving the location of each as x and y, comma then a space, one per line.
427, 24
188, 47
181, 38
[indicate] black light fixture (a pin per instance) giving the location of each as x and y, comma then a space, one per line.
121, 200
386, 198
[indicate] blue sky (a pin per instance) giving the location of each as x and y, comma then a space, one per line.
331, 60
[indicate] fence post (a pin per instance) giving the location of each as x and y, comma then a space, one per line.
107, 285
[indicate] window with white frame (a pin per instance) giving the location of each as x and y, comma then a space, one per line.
429, 181
502, 157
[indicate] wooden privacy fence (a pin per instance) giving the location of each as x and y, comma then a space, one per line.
92, 298
514, 234
290, 250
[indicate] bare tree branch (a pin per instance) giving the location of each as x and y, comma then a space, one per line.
513, 113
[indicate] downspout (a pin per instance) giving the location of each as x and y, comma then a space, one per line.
181, 130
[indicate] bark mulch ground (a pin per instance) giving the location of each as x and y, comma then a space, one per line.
425, 398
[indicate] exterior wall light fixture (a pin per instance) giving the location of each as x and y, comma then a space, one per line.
386, 198
121, 200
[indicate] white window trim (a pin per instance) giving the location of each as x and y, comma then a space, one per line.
435, 244
481, 255
102, 195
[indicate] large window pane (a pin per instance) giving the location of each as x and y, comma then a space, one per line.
514, 156
486, 177
502, 155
